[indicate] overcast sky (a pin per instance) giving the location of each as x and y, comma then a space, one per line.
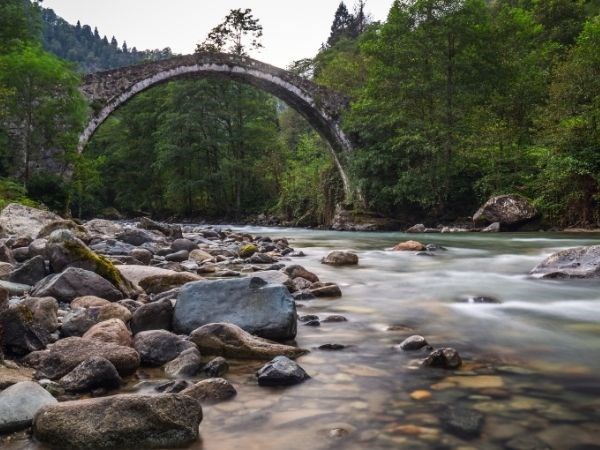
292, 30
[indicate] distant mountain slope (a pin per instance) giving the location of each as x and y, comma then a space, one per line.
87, 49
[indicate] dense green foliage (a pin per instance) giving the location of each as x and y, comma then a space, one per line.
41, 110
461, 100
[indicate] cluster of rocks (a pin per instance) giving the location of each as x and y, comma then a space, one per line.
418, 248
85, 305
442, 358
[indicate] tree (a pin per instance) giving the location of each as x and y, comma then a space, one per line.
342, 24
19, 23
239, 33
45, 109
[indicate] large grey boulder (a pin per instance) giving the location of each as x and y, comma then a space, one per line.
225, 339
23, 220
510, 211
120, 421
75, 282
266, 310
64, 355
578, 262
19, 403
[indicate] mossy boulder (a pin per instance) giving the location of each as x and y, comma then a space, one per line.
65, 250
247, 250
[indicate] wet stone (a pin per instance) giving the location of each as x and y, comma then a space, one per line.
463, 422
281, 371
443, 358
334, 318
411, 343
308, 318
216, 367
312, 323
332, 347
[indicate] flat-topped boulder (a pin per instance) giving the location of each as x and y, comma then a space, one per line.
120, 421
266, 310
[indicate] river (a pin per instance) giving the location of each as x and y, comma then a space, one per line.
531, 363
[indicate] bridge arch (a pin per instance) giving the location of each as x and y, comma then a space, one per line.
321, 107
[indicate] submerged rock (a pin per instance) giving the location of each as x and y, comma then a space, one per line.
578, 262
463, 422
224, 339
120, 421
281, 371
19, 403
257, 307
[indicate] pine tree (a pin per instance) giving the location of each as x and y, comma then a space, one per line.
342, 22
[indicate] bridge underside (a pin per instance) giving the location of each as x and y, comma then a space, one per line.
322, 108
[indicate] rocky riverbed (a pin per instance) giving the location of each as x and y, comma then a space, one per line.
110, 330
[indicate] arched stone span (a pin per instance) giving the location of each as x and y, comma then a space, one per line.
322, 108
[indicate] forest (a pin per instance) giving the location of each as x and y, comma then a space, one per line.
452, 101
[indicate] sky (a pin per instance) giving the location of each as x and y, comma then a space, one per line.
292, 30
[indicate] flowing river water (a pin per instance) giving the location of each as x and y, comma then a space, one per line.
531, 363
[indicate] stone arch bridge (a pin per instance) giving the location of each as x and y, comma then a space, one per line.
322, 108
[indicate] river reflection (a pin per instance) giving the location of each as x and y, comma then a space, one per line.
531, 362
